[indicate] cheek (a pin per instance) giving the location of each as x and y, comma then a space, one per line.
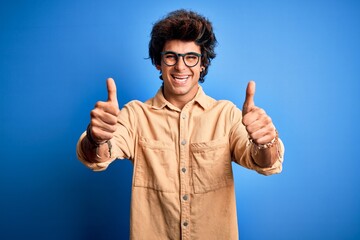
196, 71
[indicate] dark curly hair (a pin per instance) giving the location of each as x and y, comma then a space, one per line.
187, 26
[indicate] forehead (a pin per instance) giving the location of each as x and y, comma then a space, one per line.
181, 46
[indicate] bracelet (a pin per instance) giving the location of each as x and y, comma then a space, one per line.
266, 145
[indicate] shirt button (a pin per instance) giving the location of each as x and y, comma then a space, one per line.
185, 197
185, 224
183, 142
183, 116
183, 170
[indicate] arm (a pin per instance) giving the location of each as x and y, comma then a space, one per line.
264, 140
96, 143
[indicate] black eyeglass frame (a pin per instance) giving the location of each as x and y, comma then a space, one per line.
178, 55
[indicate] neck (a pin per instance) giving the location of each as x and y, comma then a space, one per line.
179, 101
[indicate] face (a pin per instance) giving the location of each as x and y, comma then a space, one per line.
180, 81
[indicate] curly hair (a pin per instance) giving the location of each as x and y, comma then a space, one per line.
187, 26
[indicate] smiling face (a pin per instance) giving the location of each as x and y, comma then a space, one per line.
180, 81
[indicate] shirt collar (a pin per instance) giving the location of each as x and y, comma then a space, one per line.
160, 102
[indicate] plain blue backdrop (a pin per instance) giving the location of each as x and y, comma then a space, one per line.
56, 55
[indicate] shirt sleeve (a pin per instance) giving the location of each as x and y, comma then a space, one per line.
241, 147
123, 142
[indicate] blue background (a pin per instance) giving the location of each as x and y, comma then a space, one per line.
56, 55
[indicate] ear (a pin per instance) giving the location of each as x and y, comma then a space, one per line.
158, 67
202, 68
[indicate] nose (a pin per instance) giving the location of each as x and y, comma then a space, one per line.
180, 65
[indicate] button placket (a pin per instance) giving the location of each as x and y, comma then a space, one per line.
184, 203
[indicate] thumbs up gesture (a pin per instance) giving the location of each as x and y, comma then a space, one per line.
104, 115
258, 124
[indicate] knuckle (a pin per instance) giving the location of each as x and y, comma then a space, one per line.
107, 136
110, 122
96, 134
93, 113
254, 137
114, 120
114, 128
98, 104
268, 119
271, 133
245, 122
93, 123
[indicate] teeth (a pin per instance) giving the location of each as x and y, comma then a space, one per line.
181, 78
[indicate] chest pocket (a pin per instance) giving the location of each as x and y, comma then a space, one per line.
211, 163
155, 165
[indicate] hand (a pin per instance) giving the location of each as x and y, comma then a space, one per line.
104, 115
258, 124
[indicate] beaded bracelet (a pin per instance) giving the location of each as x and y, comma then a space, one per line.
266, 145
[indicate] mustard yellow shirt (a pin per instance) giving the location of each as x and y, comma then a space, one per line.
183, 185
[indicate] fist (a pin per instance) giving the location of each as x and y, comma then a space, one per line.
257, 123
104, 115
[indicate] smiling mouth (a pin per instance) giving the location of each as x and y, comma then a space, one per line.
180, 79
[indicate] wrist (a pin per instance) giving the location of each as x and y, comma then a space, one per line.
266, 145
97, 144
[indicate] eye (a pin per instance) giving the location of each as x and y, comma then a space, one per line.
170, 56
191, 57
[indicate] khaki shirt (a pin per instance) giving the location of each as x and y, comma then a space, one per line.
183, 185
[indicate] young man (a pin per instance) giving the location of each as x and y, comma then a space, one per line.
182, 142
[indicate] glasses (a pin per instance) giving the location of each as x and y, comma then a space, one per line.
171, 58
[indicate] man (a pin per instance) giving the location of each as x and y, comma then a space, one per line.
182, 142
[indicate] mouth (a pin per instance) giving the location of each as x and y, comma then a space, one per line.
180, 78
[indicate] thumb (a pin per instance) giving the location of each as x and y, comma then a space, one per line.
249, 103
111, 88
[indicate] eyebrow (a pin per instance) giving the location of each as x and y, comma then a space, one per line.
196, 53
